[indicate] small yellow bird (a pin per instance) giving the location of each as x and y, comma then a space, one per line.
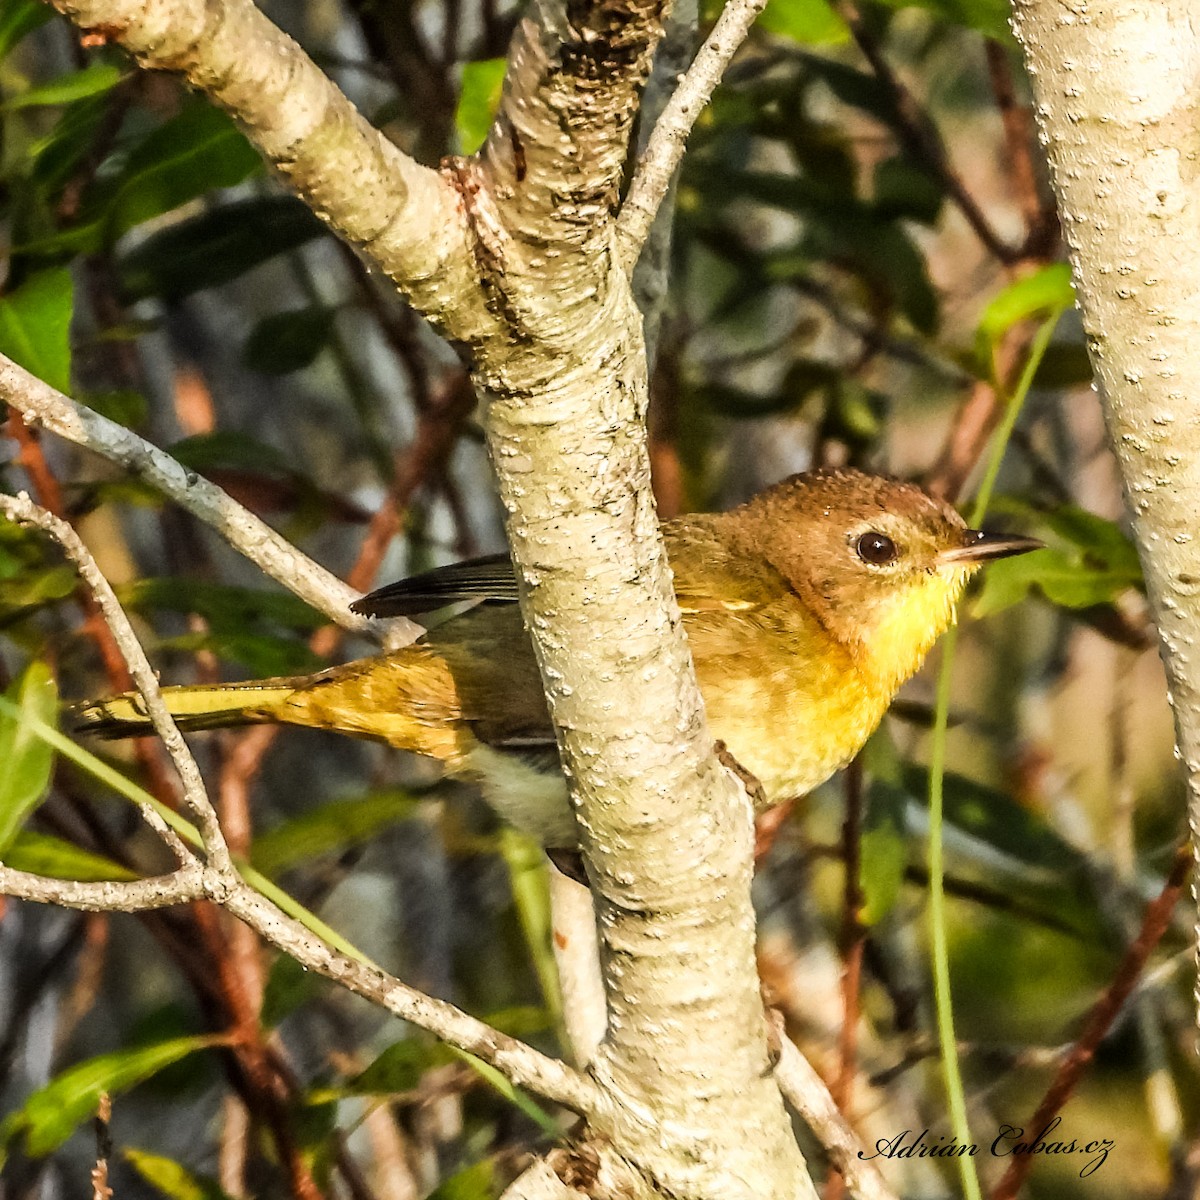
805, 608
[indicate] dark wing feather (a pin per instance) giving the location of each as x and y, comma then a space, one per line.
490, 578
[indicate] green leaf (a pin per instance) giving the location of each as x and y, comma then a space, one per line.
1098, 563
224, 607
53, 1112
261, 654
1063, 577
996, 819
126, 407
215, 247
94, 80
330, 828
807, 22
883, 850
531, 894
989, 17
398, 1069
1041, 293
289, 987
58, 155
905, 191
51, 857
478, 99
288, 341
37, 586
27, 760
18, 18
35, 326
194, 152
171, 1178
228, 448
477, 1182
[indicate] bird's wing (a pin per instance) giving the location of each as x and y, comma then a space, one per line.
715, 575
709, 575
490, 578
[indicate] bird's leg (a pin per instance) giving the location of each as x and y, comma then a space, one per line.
754, 789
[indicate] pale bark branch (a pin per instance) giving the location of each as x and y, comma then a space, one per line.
137, 895
1117, 107
518, 1062
406, 217
526, 271
577, 957
218, 879
664, 152
22, 510
524, 1066
806, 1092
42, 405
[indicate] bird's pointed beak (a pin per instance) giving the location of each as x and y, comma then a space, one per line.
979, 547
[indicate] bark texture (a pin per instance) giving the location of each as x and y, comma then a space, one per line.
1119, 113
514, 253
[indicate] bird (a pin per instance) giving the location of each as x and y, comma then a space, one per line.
805, 608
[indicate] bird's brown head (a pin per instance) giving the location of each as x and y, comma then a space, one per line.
881, 564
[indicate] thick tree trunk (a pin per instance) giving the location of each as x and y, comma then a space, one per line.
1115, 88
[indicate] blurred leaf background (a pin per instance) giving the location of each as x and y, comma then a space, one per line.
863, 246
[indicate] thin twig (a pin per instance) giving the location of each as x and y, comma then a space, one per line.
41, 404
664, 151
806, 1092
1155, 921
23, 511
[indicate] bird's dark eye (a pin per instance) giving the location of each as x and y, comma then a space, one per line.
876, 548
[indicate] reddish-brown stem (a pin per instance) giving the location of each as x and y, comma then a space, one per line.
1155, 921
919, 136
1019, 140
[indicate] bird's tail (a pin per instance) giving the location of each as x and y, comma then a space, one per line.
199, 707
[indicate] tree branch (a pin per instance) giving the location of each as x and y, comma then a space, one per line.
138, 895
406, 217
1114, 92
22, 511
806, 1092
664, 152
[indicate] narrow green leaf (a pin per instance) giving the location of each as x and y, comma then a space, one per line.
261, 654
194, 152
1042, 292
76, 85
883, 851
330, 828
1063, 577
989, 17
289, 986
223, 606
288, 341
54, 1112
806, 22
26, 759
477, 1182
215, 247
18, 18
478, 99
398, 1068
51, 857
35, 326
172, 1178
531, 894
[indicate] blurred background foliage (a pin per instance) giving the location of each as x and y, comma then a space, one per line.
863, 250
